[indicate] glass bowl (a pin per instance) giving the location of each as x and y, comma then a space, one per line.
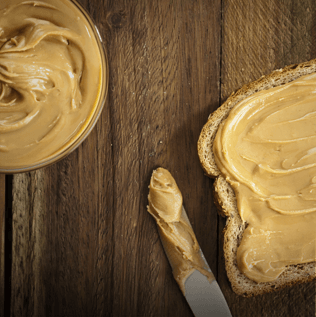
94, 115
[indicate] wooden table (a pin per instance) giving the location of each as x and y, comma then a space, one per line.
75, 237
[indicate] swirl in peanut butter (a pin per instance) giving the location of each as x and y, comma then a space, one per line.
50, 77
266, 148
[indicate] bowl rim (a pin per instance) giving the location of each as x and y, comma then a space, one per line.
72, 145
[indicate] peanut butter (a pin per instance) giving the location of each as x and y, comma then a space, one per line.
176, 233
50, 79
266, 149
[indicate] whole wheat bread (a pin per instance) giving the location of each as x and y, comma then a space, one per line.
224, 195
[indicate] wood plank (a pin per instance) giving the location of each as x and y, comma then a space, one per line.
83, 242
148, 123
2, 243
258, 37
62, 231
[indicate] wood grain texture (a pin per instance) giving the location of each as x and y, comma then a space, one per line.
83, 242
258, 37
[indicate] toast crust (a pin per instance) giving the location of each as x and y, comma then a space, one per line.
224, 195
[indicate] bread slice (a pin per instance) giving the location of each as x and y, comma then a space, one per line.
224, 195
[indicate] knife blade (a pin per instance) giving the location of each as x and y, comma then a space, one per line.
203, 295
204, 298
184, 254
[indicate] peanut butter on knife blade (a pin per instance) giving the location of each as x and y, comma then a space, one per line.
176, 233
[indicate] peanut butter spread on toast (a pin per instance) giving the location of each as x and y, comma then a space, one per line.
176, 233
50, 78
266, 149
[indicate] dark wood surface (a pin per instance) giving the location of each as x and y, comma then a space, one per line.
83, 243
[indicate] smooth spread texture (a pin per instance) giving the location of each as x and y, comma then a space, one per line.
266, 149
50, 78
176, 233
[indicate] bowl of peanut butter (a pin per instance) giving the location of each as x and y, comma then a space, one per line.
53, 81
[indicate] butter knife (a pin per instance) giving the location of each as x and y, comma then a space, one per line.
188, 263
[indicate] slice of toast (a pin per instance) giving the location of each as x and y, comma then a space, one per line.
224, 195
